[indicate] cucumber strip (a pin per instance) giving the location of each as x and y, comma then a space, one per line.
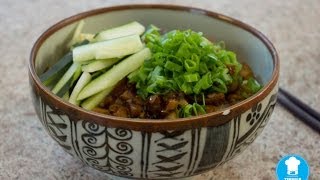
84, 79
99, 64
80, 43
115, 74
70, 83
65, 79
114, 48
51, 81
66, 96
86, 36
83, 63
76, 34
120, 31
96, 74
96, 99
56, 68
76, 75
65, 88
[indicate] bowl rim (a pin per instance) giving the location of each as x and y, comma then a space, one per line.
151, 125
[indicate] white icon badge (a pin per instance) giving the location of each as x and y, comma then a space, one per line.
292, 167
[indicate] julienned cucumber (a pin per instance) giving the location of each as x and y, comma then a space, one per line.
115, 74
97, 65
86, 36
66, 96
83, 80
69, 84
76, 34
56, 69
68, 76
65, 88
114, 48
120, 31
52, 80
76, 75
50, 77
95, 100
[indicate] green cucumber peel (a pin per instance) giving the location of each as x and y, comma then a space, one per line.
56, 68
66, 81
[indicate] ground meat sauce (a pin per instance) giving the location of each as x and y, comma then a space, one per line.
124, 102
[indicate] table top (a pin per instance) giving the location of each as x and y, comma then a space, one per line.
27, 152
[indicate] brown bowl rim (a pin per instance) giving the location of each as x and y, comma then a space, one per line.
150, 125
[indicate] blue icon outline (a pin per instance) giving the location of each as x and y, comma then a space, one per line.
283, 173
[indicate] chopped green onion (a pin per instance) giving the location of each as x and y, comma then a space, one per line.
191, 77
219, 86
204, 83
198, 109
173, 66
184, 61
190, 66
189, 110
186, 88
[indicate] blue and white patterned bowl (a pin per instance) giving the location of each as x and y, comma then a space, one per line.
163, 149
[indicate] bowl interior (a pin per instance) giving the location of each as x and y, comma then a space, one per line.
248, 47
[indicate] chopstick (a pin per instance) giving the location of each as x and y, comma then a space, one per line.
299, 109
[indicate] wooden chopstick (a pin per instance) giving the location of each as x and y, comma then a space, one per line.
301, 104
300, 109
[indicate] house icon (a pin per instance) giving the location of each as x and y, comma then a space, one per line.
292, 166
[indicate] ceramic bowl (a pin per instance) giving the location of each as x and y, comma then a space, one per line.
157, 149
